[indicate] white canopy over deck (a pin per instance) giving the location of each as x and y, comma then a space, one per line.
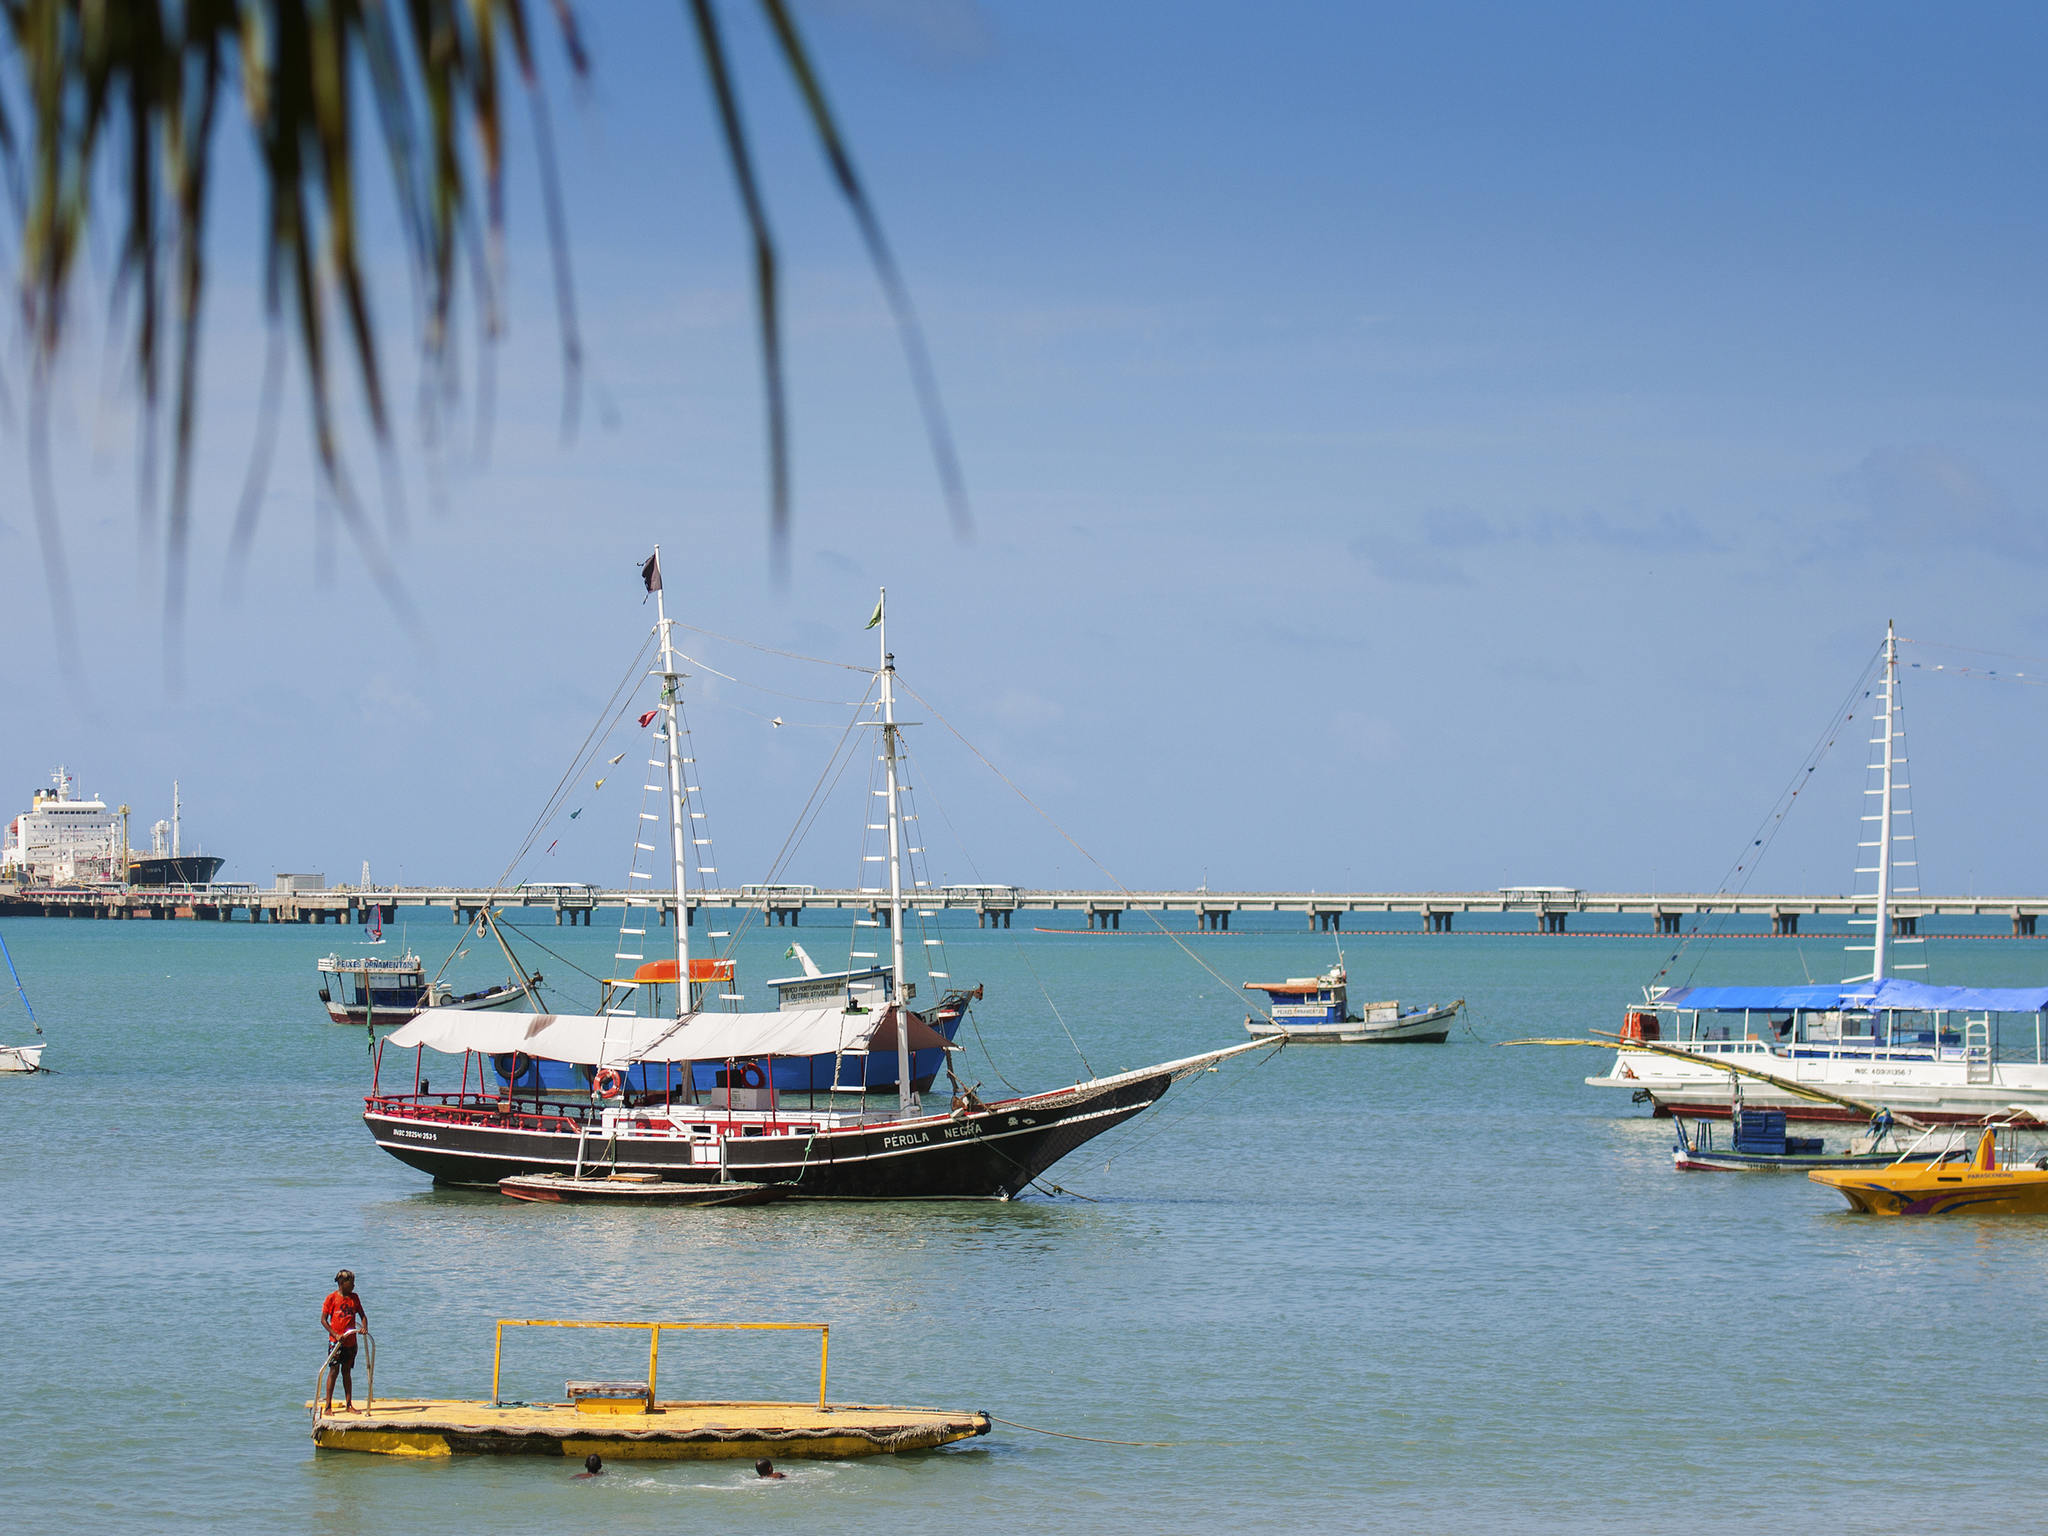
596, 1040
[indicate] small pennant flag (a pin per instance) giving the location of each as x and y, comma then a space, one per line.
650, 574
575, 813
789, 953
598, 785
777, 722
615, 761
551, 846
875, 617
645, 721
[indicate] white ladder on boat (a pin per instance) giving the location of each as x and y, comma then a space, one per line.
1977, 1049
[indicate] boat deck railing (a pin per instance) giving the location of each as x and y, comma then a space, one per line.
573, 1116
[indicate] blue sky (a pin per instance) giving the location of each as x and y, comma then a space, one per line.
1423, 447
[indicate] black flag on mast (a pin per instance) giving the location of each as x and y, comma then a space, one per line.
650, 573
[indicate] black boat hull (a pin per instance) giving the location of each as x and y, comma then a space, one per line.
185, 869
990, 1153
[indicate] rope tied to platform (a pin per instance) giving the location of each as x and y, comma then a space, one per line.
1060, 1434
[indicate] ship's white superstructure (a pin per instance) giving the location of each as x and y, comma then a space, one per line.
60, 840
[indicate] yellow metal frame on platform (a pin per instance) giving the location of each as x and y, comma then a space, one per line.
654, 1341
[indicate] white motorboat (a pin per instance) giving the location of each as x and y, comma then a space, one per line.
1939, 1054
1314, 1010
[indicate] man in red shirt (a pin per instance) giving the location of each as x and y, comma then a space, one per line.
344, 1316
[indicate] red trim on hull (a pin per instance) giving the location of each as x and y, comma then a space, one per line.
1833, 1114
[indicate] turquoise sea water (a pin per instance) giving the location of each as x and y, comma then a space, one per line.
1425, 1288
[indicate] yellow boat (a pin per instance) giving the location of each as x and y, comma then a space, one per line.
1983, 1186
625, 1421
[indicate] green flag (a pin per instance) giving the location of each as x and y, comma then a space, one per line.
875, 617
789, 953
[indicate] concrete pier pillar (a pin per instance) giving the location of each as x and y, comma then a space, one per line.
1668, 922
2023, 925
1905, 927
1785, 924
1553, 922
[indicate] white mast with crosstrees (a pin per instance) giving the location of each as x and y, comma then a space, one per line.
671, 690
888, 678
1894, 847
1882, 931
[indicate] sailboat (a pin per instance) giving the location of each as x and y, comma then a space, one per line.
1933, 1052
21, 1058
644, 1113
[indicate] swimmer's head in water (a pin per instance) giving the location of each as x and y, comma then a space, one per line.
593, 1463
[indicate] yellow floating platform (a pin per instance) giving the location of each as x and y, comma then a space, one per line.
670, 1432
626, 1421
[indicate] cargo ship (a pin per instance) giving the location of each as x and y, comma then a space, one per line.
63, 840
166, 863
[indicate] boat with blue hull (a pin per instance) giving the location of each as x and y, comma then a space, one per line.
864, 1071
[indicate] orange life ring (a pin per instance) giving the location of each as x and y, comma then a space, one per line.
606, 1084
751, 1075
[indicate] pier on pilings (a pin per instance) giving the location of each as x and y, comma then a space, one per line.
1551, 910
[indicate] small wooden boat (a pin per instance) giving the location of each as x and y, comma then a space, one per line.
1986, 1185
1761, 1145
1313, 1010
626, 1421
635, 1189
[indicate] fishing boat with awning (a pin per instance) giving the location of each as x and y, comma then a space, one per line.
1952, 1054
1955, 1054
648, 1109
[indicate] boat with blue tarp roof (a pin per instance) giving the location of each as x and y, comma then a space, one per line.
1954, 1054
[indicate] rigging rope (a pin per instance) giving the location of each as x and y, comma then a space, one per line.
599, 735
801, 698
1017, 947
1072, 842
1767, 832
755, 645
807, 817
1162, 1124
